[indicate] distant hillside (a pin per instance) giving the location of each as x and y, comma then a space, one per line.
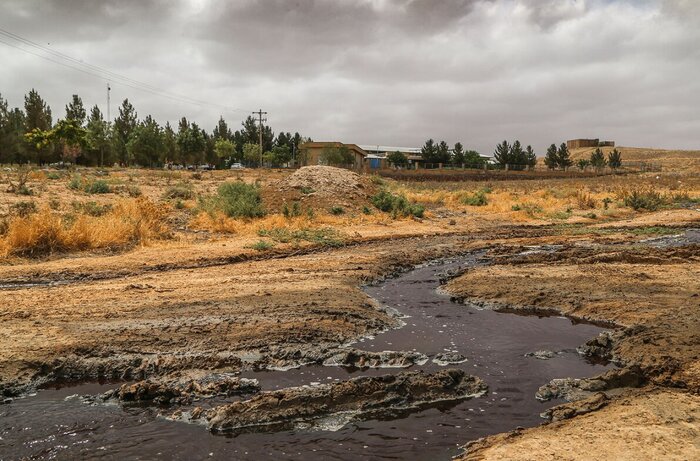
670, 160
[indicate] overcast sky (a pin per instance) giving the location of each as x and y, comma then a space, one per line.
390, 72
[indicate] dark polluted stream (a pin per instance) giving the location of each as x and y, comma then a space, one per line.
56, 424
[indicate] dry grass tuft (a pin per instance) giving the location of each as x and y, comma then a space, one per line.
45, 232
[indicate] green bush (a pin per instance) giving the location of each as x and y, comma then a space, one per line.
398, 205
181, 191
99, 186
235, 200
337, 210
76, 182
477, 199
53, 175
262, 245
644, 200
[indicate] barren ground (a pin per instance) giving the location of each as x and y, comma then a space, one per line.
205, 298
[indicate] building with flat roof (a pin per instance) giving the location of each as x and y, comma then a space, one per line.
317, 153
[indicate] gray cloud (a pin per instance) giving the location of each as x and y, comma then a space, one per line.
383, 71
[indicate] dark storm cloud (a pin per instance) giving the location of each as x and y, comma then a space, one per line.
383, 71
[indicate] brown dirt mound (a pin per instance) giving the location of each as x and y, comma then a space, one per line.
320, 186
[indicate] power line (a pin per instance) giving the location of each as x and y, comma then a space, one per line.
100, 72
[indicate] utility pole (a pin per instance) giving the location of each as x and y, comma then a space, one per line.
260, 114
109, 120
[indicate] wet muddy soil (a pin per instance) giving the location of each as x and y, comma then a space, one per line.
490, 345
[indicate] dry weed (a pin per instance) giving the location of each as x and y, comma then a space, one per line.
45, 232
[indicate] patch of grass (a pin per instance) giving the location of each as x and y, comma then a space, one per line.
654, 230
476, 199
563, 215
326, 236
54, 175
91, 208
366, 210
398, 205
261, 245
23, 209
337, 210
235, 200
181, 190
376, 179
307, 190
531, 209
97, 186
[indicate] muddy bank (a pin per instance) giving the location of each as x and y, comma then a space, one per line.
651, 290
655, 305
357, 398
645, 425
182, 390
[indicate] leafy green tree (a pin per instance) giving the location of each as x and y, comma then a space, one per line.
397, 159
282, 154
76, 111
124, 125
191, 142
551, 159
530, 157
337, 156
563, 157
502, 153
473, 159
145, 145
251, 154
224, 149
37, 116
615, 159
98, 137
72, 138
582, 164
429, 151
597, 159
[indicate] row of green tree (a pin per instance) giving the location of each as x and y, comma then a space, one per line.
441, 153
29, 135
598, 160
514, 156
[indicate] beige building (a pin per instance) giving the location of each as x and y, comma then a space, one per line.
319, 153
